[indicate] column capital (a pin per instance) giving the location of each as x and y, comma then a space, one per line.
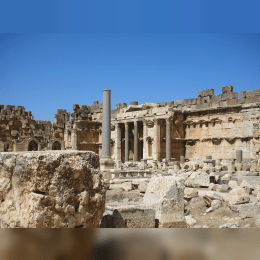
135, 123
168, 120
127, 124
116, 124
156, 121
145, 122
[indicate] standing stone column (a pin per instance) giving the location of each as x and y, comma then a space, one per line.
168, 139
106, 124
106, 163
66, 137
239, 156
117, 143
74, 139
145, 152
126, 142
135, 141
156, 142
15, 145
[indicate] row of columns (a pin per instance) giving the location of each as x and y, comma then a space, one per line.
156, 145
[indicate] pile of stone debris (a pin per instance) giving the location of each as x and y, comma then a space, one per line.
197, 194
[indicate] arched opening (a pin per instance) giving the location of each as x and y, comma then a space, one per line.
56, 146
32, 146
6, 147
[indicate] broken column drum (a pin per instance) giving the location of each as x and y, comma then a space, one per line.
106, 124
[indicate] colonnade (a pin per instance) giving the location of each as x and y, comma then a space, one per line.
155, 140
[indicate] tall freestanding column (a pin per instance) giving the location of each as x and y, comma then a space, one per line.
118, 142
135, 141
168, 139
145, 152
126, 142
106, 162
106, 124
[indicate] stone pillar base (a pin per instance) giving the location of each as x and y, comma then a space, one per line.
106, 164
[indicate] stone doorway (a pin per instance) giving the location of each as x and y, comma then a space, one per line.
56, 146
32, 146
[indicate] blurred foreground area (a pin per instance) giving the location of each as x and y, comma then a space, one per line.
126, 244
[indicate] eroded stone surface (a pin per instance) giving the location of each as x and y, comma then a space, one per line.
51, 189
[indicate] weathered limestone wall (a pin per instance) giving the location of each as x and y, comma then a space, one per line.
220, 133
51, 189
20, 132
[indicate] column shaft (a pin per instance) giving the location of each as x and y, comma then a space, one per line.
168, 139
126, 142
118, 143
74, 139
145, 152
135, 141
106, 124
156, 142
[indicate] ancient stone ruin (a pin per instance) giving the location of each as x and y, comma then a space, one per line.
185, 163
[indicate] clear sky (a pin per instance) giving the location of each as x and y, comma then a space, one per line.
46, 72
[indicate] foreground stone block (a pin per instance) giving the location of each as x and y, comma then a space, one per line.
51, 189
128, 216
190, 193
198, 181
238, 196
166, 194
142, 187
249, 210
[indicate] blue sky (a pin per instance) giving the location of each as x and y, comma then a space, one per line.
46, 72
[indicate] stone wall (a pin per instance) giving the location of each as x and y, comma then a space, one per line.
20, 132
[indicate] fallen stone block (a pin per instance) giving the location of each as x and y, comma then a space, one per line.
212, 186
215, 204
257, 221
249, 210
237, 196
166, 195
170, 214
207, 200
216, 195
161, 187
258, 196
190, 193
190, 220
233, 184
127, 185
248, 188
51, 189
198, 181
142, 187
210, 209
128, 216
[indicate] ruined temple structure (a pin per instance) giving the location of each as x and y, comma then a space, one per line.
216, 125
